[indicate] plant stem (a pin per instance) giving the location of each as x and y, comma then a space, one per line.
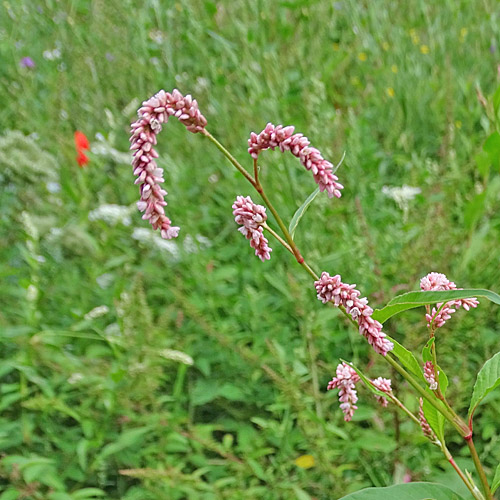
277, 236
444, 408
231, 158
471, 486
479, 467
453, 419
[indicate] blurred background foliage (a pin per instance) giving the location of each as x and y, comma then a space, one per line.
134, 368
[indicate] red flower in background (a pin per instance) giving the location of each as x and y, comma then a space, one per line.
82, 144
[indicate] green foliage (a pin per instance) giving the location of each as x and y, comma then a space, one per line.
411, 300
488, 379
496, 480
411, 491
301, 211
204, 374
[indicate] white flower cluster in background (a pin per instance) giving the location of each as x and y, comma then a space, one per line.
402, 196
102, 147
190, 244
112, 214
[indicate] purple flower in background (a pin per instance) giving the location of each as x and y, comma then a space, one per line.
27, 62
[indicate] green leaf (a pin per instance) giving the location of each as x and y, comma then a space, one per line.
474, 210
487, 379
86, 493
129, 438
411, 300
492, 147
496, 100
408, 491
434, 417
301, 211
10, 494
407, 359
483, 163
496, 480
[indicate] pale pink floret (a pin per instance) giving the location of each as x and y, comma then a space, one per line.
439, 282
345, 381
153, 113
331, 289
384, 385
284, 138
251, 217
430, 375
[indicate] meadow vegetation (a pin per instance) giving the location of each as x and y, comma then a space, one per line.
136, 368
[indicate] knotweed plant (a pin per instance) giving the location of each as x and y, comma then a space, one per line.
440, 297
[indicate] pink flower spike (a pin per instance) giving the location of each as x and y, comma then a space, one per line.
384, 385
439, 282
331, 289
153, 113
251, 218
426, 428
283, 138
430, 375
345, 381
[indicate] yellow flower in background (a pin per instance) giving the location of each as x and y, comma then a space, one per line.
458, 124
463, 34
385, 46
304, 461
362, 56
424, 49
390, 92
414, 37
394, 68
336, 46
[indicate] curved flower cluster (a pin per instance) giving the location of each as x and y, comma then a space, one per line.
346, 380
251, 217
153, 113
426, 428
430, 375
438, 282
284, 138
331, 289
384, 385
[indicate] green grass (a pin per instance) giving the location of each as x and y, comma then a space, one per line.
82, 399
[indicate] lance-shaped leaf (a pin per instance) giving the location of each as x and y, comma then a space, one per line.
411, 300
301, 211
434, 417
487, 379
496, 480
407, 359
408, 491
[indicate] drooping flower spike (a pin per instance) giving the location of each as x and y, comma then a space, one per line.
153, 113
346, 380
284, 138
424, 425
331, 289
439, 282
251, 217
384, 385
